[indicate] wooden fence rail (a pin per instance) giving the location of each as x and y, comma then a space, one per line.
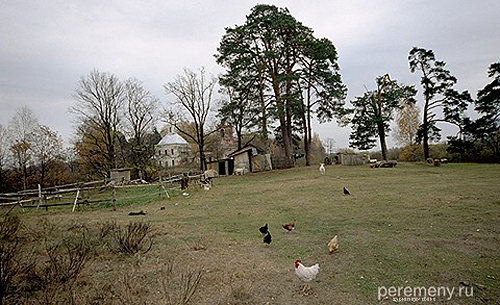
36, 198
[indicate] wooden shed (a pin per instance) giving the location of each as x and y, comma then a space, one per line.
352, 159
120, 174
222, 166
250, 159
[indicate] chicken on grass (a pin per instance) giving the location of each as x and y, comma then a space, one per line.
264, 229
346, 191
267, 238
333, 244
289, 226
306, 274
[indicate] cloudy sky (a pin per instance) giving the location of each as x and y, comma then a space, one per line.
46, 46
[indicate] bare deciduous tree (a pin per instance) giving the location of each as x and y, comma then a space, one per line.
140, 117
47, 145
99, 99
4, 152
21, 127
193, 94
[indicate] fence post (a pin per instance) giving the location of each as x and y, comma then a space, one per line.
40, 200
76, 199
114, 198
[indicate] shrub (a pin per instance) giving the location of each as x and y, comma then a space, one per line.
132, 239
10, 254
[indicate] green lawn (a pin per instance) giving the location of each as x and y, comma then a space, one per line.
410, 226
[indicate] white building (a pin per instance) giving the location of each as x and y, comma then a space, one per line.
172, 150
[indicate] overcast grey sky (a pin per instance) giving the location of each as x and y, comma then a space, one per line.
46, 46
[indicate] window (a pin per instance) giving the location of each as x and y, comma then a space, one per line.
159, 153
166, 152
172, 151
173, 162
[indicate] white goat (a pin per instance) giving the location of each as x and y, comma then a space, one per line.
322, 168
239, 171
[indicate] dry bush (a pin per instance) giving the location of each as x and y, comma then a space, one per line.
9, 227
11, 264
106, 228
241, 291
54, 276
131, 239
197, 244
179, 288
170, 284
67, 259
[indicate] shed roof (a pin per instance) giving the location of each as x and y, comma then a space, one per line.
246, 148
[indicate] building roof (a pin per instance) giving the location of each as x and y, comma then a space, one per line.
246, 148
172, 138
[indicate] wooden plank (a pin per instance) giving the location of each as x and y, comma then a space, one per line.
76, 200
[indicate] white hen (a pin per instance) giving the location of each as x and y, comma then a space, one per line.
306, 274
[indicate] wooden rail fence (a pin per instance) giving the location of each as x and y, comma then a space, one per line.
92, 192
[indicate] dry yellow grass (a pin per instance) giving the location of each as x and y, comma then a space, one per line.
408, 226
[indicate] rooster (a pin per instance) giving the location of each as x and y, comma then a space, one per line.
263, 229
306, 274
289, 226
333, 244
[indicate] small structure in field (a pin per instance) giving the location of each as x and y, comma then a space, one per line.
352, 159
250, 159
120, 174
222, 167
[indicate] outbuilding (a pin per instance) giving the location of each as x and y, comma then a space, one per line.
120, 175
250, 159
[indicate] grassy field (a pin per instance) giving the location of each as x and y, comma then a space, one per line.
411, 226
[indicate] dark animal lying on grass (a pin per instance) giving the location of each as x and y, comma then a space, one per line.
137, 213
385, 163
346, 191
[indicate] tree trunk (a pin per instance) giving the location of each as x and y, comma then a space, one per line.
425, 139
285, 133
202, 159
289, 114
111, 151
25, 176
238, 135
202, 151
425, 125
307, 142
264, 132
383, 145
42, 173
